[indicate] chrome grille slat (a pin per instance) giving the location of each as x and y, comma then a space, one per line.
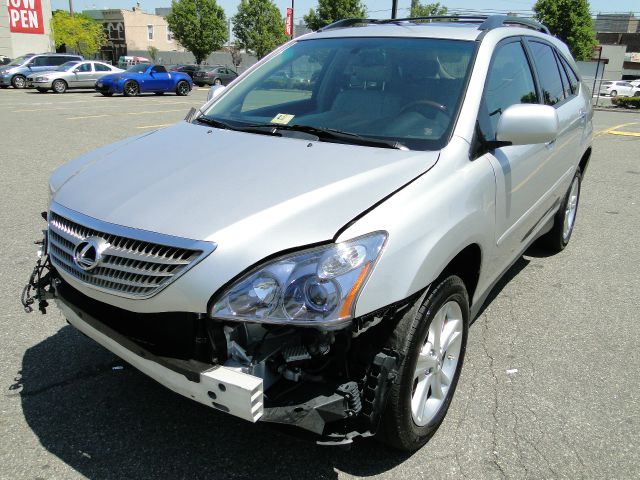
135, 263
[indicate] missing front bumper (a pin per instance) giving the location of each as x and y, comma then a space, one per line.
218, 387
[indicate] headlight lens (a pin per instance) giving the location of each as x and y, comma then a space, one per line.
316, 287
41, 79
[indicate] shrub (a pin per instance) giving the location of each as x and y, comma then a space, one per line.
626, 102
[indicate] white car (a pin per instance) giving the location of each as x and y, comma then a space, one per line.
619, 88
313, 254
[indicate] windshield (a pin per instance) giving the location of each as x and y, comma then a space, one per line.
139, 68
404, 90
19, 60
66, 66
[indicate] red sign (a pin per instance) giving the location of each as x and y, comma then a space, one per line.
25, 16
288, 24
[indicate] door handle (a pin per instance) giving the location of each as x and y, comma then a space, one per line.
582, 115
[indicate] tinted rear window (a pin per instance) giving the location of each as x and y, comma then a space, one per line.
548, 73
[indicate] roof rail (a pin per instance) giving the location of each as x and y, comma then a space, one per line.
495, 21
349, 22
487, 22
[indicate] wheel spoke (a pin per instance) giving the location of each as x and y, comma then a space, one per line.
419, 399
435, 329
436, 388
444, 378
451, 334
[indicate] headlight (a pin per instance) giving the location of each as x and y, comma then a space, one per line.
316, 287
41, 79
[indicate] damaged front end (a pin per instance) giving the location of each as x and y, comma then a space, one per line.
331, 382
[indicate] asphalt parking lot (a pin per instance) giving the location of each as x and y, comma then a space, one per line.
550, 386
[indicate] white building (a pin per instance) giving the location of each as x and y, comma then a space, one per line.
25, 27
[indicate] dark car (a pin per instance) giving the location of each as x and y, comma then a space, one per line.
145, 78
214, 75
188, 69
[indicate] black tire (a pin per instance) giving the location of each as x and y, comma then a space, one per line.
19, 81
217, 81
556, 240
42, 90
182, 89
200, 84
59, 86
107, 94
4, 86
398, 428
614, 93
131, 89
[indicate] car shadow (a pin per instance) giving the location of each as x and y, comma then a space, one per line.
106, 420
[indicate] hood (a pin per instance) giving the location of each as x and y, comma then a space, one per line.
202, 183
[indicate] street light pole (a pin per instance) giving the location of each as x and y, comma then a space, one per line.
71, 8
293, 12
394, 9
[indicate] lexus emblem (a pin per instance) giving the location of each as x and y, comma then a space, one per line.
88, 254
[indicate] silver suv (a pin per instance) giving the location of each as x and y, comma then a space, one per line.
313, 253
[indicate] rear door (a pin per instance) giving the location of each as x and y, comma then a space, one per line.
571, 110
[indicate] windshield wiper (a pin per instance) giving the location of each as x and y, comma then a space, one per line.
318, 132
260, 129
346, 137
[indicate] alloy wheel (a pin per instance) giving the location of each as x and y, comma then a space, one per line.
571, 209
437, 363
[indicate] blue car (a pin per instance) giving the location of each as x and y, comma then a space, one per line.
145, 78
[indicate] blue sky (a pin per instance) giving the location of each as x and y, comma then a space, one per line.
376, 8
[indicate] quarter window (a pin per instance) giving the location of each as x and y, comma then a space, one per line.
548, 73
509, 82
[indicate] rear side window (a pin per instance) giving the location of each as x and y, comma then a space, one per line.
101, 68
42, 62
509, 82
573, 78
548, 73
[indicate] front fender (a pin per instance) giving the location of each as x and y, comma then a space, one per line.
429, 222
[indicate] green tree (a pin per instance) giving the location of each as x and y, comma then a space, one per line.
330, 11
199, 25
259, 26
571, 21
427, 10
79, 33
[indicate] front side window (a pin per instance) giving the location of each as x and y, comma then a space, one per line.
404, 90
159, 69
509, 82
548, 73
84, 68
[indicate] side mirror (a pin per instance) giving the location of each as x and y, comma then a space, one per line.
214, 91
528, 124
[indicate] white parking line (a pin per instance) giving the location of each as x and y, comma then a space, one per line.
156, 126
87, 116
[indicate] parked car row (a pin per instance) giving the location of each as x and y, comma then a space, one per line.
61, 72
621, 88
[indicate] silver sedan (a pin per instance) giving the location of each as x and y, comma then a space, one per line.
70, 75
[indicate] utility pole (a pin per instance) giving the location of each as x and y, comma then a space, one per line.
293, 22
71, 8
394, 9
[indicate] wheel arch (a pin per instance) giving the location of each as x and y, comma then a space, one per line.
584, 161
466, 264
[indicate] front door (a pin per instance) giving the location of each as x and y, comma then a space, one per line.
523, 177
159, 80
83, 76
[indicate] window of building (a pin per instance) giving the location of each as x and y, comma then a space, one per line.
120, 32
169, 35
150, 32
